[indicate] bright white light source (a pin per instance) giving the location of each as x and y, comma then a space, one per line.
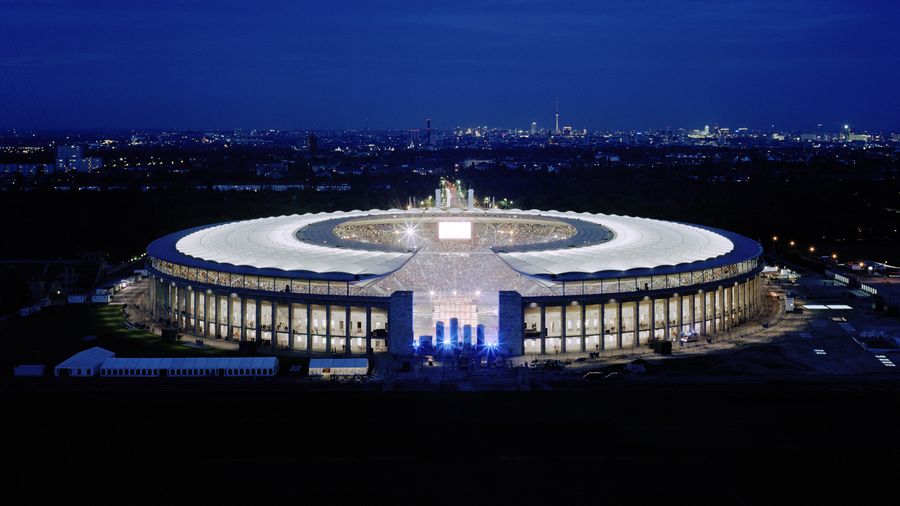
455, 230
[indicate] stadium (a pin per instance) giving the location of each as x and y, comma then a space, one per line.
453, 277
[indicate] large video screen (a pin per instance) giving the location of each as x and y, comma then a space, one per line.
454, 230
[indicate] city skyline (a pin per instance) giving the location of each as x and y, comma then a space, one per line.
219, 66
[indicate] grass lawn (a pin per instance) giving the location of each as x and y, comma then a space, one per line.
56, 332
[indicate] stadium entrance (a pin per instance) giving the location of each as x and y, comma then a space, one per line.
455, 318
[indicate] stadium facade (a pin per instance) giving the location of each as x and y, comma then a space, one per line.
402, 281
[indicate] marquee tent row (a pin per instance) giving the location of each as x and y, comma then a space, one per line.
177, 367
338, 366
98, 361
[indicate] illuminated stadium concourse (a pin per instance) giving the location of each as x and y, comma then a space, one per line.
453, 277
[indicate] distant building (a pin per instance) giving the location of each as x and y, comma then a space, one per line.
534, 128
333, 187
67, 154
71, 159
27, 169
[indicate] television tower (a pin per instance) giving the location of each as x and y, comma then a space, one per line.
557, 116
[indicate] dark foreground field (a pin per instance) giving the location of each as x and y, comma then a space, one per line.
632, 444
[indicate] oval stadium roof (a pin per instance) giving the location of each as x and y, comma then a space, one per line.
270, 246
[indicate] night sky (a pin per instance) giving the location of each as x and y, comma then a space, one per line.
300, 64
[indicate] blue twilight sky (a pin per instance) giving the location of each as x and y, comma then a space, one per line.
315, 64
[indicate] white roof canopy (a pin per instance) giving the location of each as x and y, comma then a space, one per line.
272, 243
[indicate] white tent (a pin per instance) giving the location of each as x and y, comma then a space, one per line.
338, 366
190, 367
83, 363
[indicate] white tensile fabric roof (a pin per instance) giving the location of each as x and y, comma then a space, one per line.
339, 365
86, 359
271, 243
191, 363
637, 243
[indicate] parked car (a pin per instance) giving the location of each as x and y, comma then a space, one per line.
689, 337
636, 368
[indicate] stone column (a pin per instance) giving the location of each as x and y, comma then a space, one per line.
258, 325
666, 317
721, 308
290, 326
206, 313
176, 306
328, 328
618, 325
243, 319
563, 331
746, 300
693, 307
715, 326
184, 309
369, 329
274, 325
729, 306
218, 317
680, 315
652, 319
347, 331
308, 327
229, 316
583, 327
735, 305
702, 312
196, 310
603, 326
151, 293
637, 325
543, 329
